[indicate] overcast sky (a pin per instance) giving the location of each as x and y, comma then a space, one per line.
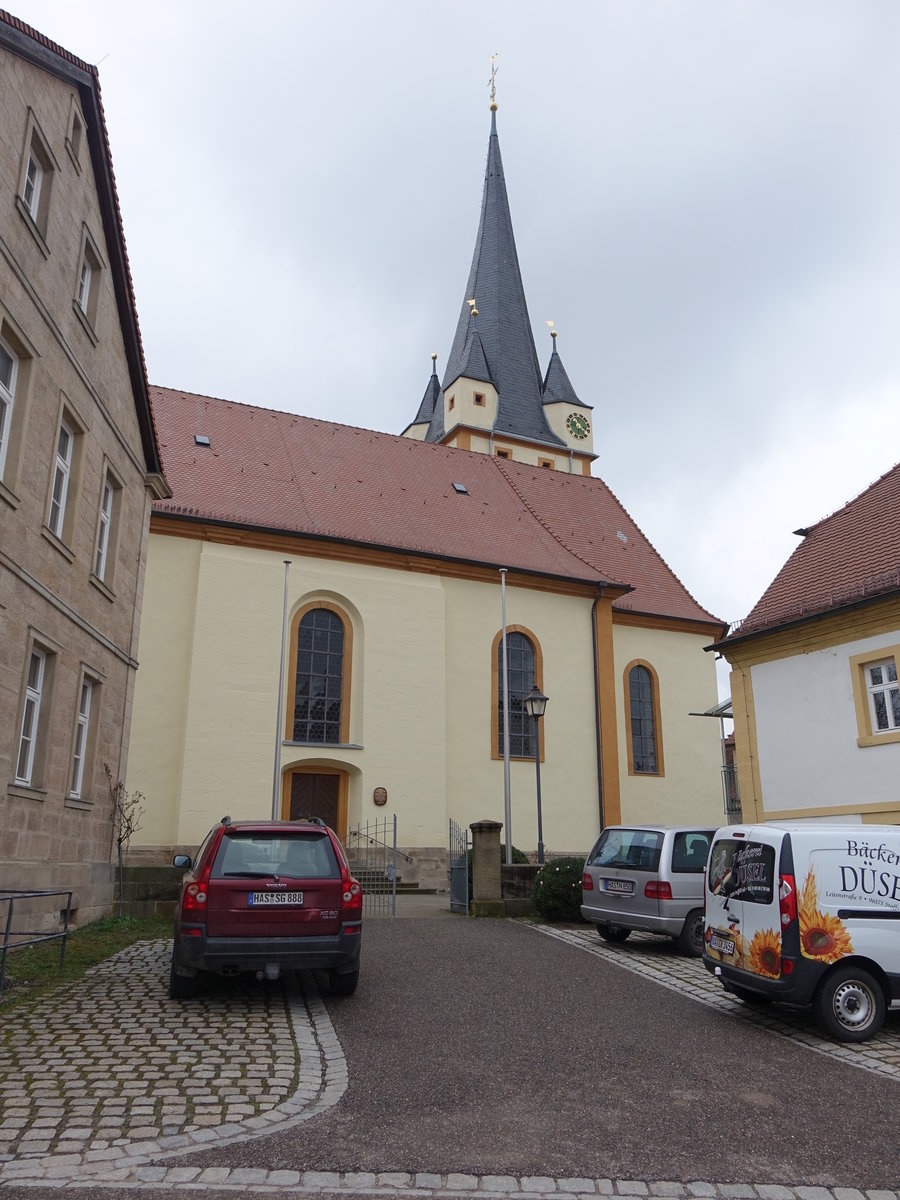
705, 196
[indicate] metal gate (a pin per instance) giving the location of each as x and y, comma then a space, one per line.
372, 854
459, 868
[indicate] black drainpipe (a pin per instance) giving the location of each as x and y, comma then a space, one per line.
597, 711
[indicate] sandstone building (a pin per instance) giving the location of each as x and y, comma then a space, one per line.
79, 467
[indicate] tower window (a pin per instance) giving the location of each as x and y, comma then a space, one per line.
479, 400
503, 453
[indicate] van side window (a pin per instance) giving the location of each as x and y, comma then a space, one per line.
690, 850
743, 871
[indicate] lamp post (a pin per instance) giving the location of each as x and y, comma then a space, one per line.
536, 706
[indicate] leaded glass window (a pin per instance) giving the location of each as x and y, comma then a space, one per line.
643, 723
319, 682
520, 657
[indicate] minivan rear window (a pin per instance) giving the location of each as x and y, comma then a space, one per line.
260, 855
742, 871
690, 850
634, 849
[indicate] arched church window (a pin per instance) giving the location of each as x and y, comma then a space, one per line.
319, 680
645, 735
521, 663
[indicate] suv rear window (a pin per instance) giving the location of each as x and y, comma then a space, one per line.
690, 850
634, 849
301, 855
743, 871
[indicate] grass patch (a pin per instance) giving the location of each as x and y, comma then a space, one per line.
34, 970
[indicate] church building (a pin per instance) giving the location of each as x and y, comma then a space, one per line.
323, 614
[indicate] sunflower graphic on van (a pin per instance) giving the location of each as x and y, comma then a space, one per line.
823, 937
764, 955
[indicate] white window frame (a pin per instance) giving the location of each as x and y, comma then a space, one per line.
81, 737
885, 688
7, 402
61, 474
84, 285
34, 182
107, 499
31, 716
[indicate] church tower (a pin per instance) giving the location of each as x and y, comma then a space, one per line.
492, 398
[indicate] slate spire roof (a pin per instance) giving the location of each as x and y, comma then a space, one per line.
497, 344
430, 399
557, 386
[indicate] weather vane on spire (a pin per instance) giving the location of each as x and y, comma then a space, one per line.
494, 70
552, 330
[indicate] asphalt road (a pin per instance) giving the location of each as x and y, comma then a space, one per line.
486, 1047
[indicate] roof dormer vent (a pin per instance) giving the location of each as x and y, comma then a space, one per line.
200, 439
460, 489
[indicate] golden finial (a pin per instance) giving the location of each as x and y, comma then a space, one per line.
552, 331
473, 311
494, 70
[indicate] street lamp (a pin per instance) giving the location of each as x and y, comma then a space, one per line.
535, 706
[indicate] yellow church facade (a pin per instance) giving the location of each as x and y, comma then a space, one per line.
322, 629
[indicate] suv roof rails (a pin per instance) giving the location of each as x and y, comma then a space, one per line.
225, 821
310, 820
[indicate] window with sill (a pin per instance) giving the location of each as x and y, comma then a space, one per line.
36, 180
479, 400
320, 657
75, 134
31, 716
59, 493
644, 728
79, 752
107, 528
524, 671
876, 695
87, 284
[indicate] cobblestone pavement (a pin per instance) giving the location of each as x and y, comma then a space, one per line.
653, 958
101, 1083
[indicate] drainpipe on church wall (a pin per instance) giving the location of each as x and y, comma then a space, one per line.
597, 710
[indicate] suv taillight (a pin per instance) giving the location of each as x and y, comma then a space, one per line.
587, 882
351, 903
657, 890
193, 901
787, 900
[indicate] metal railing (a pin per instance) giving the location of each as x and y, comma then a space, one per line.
730, 790
13, 939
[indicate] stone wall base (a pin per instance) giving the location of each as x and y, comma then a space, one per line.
93, 887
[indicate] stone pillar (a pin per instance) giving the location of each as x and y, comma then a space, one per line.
487, 898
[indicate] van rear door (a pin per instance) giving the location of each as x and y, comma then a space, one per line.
743, 916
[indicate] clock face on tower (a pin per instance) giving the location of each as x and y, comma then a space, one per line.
578, 425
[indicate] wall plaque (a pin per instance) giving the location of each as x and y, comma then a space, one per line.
380, 795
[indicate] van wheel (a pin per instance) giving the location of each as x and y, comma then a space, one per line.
690, 940
343, 984
182, 987
613, 933
850, 1004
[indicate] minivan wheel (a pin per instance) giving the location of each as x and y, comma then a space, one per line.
690, 940
850, 1004
182, 987
613, 933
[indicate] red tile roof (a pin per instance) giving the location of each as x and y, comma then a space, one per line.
282, 472
852, 555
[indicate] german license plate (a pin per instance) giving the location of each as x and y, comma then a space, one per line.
724, 945
273, 899
624, 886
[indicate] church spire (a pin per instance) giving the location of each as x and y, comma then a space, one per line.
499, 338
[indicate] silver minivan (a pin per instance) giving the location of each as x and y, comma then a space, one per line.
648, 877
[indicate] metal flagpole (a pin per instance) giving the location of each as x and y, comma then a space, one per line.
507, 807
276, 780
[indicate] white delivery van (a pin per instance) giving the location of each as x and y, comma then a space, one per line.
807, 914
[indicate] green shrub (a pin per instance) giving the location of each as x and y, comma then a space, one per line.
557, 889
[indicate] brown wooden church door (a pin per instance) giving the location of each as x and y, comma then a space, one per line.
317, 794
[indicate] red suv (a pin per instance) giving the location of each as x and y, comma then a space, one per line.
267, 896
